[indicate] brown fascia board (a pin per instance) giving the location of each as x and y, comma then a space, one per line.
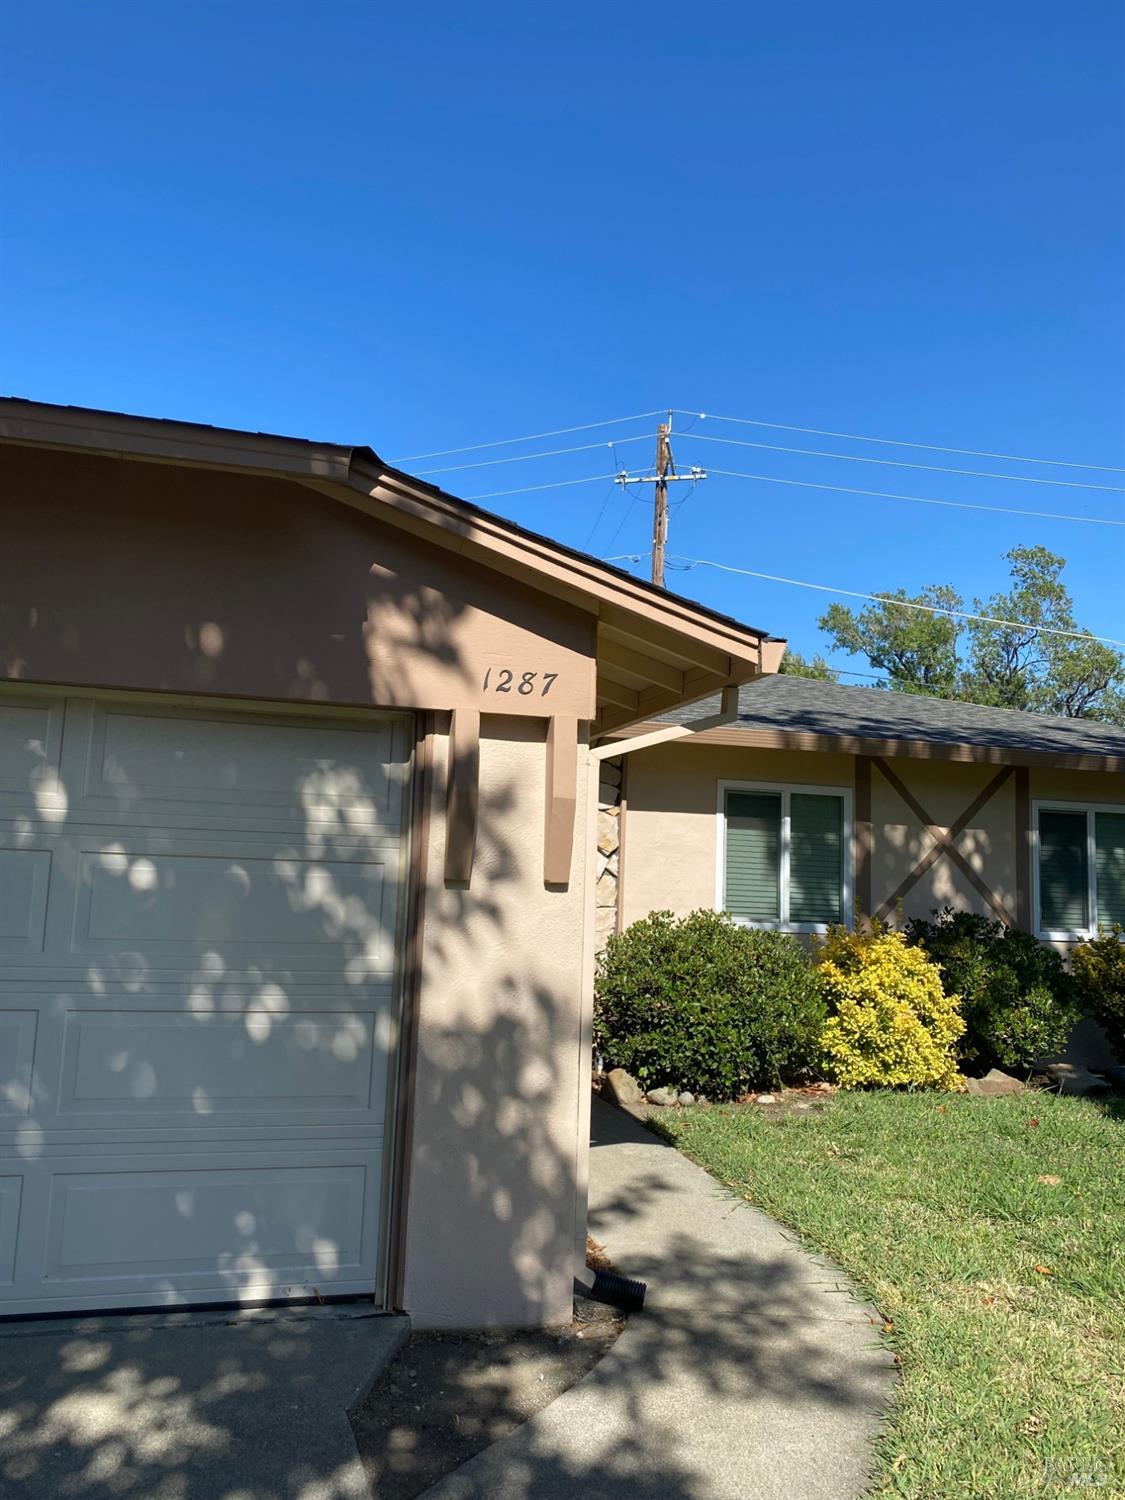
357, 475
844, 744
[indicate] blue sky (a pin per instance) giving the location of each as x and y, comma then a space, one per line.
426, 227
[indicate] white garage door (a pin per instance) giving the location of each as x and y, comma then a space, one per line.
198, 962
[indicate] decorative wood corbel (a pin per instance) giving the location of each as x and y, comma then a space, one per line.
560, 799
462, 795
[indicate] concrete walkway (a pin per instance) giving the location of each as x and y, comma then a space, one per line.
189, 1406
752, 1372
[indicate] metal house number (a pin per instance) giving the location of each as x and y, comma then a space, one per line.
526, 684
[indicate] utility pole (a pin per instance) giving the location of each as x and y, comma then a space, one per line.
664, 475
660, 502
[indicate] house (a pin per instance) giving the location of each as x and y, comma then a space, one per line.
818, 801
296, 887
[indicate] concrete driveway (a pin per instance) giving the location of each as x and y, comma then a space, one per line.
189, 1406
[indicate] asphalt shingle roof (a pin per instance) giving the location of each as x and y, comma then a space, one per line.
828, 708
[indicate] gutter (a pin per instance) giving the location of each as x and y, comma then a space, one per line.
728, 713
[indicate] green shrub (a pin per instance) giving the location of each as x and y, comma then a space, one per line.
1016, 996
1099, 969
891, 1024
703, 1004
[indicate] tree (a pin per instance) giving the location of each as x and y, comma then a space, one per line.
793, 664
917, 650
1014, 667
1012, 664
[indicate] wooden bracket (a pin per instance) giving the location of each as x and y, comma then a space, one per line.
560, 799
1023, 848
864, 840
944, 842
462, 794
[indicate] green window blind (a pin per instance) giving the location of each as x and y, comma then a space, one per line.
753, 870
1063, 871
1109, 865
816, 851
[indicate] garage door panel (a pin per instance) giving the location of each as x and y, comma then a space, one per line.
198, 980
30, 753
305, 773
18, 1029
151, 1066
11, 1192
225, 1223
25, 879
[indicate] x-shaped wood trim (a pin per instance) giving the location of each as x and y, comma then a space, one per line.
944, 842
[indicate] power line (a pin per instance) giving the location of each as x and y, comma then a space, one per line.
930, 609
857, 437
529, 489
522, 458
899, 463
843, 489
532, 437
590, 535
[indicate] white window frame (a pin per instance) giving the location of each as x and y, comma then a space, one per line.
786, 789
1090, 809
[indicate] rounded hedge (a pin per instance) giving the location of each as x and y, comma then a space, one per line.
702, 1004
1016, 995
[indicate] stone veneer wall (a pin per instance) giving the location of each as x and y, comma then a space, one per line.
609, 851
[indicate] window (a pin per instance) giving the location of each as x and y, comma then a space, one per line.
784, 855
1080, 869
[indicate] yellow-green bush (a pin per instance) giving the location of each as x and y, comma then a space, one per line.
890, 1022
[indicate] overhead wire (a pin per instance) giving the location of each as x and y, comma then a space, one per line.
931, 609
899, 463
858, 437
533, 437
522, 458
843, 489
530, 489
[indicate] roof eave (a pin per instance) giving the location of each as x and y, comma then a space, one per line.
962, 751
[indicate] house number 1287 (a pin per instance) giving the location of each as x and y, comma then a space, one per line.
524, 683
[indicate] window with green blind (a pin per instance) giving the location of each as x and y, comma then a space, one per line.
784, 856
753, 885
1081, 869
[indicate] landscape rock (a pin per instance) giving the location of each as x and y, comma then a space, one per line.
1070, 1079
662, 1097
766, 1099
993, 1085
686, 1097
623, 1089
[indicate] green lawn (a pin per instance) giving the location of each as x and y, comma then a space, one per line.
1003, 1289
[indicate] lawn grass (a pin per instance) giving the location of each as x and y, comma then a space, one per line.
1003, 1289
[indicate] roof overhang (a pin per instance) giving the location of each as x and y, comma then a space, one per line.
655, 651
747, 737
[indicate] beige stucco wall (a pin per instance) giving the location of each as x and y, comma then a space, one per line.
945, 790
671, 794
496, 1171
672, 791
136, 576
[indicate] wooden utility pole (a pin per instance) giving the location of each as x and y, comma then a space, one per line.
665, 474
660, 502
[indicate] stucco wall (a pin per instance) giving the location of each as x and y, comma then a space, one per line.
494, 1177
141, 575
135, 576
670, 854
669, 858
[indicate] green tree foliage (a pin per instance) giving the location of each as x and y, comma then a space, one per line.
793, 664
1007, 665
917, 650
